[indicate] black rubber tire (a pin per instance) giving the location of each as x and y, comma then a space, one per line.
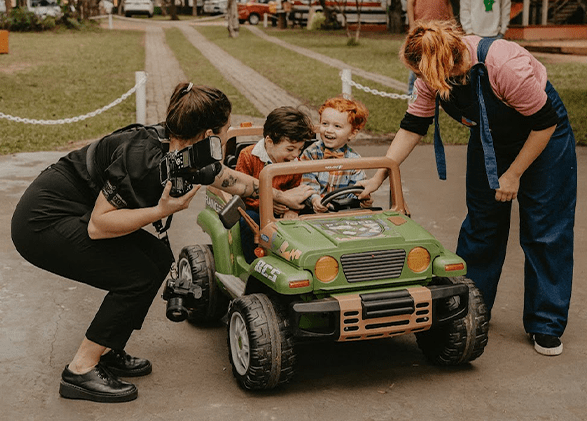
260, 344
198, 262
254, 19
459, 341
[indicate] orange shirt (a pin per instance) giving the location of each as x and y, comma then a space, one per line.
252, 165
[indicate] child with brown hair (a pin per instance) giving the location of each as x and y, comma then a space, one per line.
285, 132
341, 119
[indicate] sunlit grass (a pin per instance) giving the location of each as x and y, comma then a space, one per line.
53, 76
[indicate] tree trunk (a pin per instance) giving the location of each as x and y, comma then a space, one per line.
173, 10
120, 7
8, 6
395, 23
359, 4
232, 17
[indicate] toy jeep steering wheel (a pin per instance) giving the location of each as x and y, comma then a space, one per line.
339, 203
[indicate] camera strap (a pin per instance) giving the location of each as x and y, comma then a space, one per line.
162, 230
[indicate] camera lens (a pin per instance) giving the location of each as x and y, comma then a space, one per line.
176, 312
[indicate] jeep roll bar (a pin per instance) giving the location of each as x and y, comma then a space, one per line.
324, 165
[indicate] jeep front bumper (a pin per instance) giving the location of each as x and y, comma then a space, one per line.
382, 314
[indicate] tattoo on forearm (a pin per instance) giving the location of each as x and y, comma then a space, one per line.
255, 194
229, 181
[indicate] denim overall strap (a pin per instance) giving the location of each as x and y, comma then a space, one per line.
438, 146
477, 73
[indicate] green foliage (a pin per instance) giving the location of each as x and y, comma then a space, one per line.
318, 20
21, 19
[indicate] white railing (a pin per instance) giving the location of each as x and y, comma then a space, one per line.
141, 107
348, 84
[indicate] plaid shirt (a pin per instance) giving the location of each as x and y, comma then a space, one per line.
325, 182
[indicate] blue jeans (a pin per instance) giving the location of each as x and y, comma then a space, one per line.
411, 81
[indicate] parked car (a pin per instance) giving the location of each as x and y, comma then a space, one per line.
351, 274
253, 11
214, 7
138, 7
44, 8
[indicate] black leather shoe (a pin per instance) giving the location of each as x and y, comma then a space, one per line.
98, 385
123, 365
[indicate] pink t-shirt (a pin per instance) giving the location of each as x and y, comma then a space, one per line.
516, 77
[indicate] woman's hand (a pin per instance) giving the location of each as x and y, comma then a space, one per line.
169, 205
367, 202
108, 221
509, 185
294, 198
371, 185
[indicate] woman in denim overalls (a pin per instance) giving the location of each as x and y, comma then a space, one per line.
512, 154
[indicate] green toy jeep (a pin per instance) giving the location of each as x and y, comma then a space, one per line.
350, 275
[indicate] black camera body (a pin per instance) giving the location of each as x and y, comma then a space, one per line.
196, 164
181, 296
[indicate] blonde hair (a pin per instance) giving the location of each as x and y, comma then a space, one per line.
436, 51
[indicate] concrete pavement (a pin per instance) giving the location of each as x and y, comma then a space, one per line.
43, 318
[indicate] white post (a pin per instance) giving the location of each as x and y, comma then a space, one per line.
264, 20
545, 12
525, 12
141, 98
110, 20
346, 85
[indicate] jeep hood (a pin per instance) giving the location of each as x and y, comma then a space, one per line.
337, 234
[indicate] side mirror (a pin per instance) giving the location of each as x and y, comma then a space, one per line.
230, 215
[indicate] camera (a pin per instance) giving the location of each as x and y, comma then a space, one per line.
196, 164
181, 295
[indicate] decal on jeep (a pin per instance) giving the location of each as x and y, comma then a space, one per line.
349, 229
267, 270
289, 255
211, 203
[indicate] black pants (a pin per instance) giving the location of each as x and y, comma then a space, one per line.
131, 268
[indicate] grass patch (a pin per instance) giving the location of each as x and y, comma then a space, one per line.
569, 81
52, 76
201, 72
379, 53
313, 82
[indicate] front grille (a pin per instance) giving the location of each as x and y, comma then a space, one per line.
373, 265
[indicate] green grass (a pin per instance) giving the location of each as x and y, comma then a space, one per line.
201, 72
56, 75
52, 76
313, 82
379, 53
569, 81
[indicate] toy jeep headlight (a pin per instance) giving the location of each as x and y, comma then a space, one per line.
418, 259
326, 269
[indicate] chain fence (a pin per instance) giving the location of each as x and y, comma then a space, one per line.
117, 101
347, 83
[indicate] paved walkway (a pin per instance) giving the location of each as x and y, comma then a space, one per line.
165, 72
383, 80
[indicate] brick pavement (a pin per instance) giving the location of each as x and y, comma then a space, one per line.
383, 80
164, 73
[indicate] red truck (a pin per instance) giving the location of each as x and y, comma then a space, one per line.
253, 11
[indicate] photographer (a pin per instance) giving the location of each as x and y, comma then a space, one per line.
82, 218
